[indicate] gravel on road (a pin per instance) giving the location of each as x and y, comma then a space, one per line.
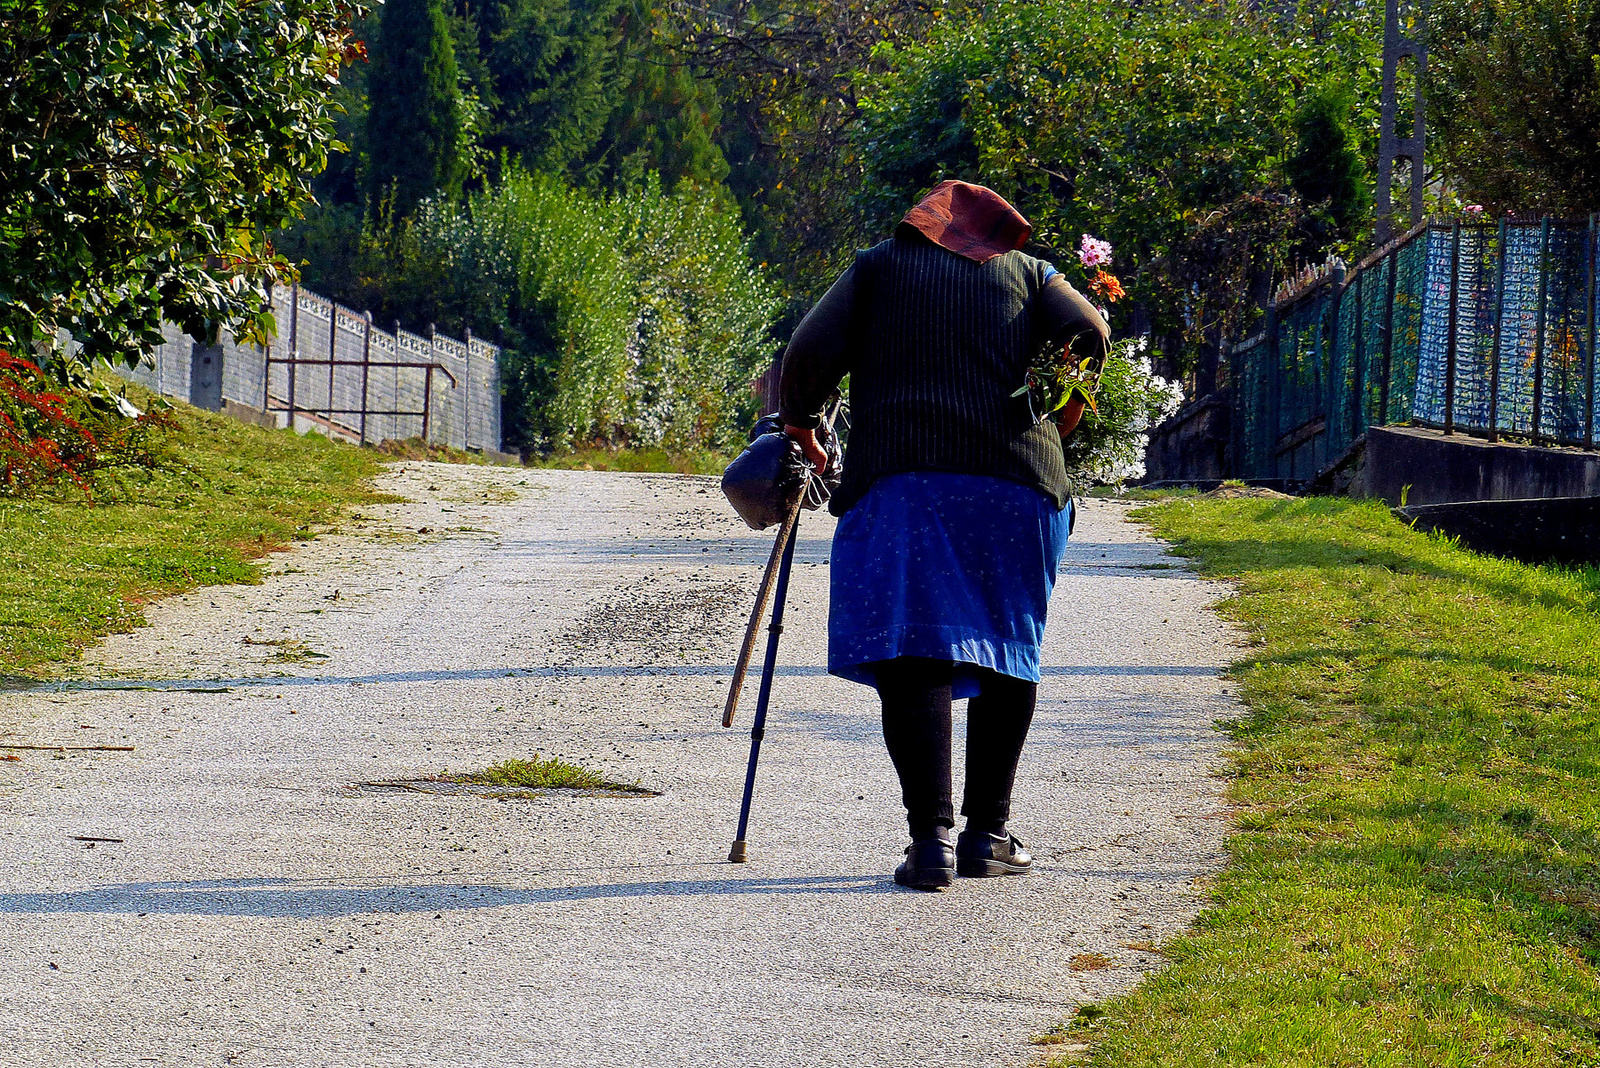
247, 902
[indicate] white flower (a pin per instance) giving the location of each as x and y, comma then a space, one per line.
1132, 399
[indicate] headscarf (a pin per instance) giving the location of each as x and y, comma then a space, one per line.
969, 220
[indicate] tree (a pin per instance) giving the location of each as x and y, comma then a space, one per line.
147, 147
1327, 168
1514, 102
556, 75
414, 109
666, 119
1147, 125
644, 112
791, 75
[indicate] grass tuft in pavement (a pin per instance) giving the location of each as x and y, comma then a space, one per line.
224, 494
537, 774
1415, 879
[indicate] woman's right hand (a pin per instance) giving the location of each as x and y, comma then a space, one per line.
807, 439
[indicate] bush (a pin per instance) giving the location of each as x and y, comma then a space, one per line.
1327, 167
635, 319
57, 435
1514, 102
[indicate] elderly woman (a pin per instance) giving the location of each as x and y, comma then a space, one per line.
954, 510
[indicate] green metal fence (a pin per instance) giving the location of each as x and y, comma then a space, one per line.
1468, 326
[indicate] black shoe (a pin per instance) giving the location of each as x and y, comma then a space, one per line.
929, 865
980, 854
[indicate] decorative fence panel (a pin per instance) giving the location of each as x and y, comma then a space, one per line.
1477, 327
332, 370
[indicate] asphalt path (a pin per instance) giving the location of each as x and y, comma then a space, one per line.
248, 902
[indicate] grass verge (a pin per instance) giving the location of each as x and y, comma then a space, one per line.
1414, 877
1137, 493
224, 494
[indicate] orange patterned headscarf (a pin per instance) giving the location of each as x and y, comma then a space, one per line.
969, 220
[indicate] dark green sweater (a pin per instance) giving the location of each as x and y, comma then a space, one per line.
935, 345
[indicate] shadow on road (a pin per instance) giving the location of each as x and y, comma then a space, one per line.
304, 899
559, 671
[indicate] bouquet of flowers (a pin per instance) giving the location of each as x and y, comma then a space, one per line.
1121, 397
1058, 379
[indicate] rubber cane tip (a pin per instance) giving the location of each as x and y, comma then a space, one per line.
736, 855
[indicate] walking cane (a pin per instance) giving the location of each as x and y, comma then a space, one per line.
779, 565
758, 729
775, 564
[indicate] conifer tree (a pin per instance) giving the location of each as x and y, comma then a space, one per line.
1327, 168
414, 115
558, 71
665, 120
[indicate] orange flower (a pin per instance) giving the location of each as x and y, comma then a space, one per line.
1107, 287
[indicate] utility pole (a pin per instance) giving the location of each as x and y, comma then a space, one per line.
1393, 145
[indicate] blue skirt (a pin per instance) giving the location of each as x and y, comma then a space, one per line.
945, 566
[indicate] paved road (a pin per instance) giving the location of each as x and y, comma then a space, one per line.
258, 910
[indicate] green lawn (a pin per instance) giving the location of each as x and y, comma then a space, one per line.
1414, 877
224, 494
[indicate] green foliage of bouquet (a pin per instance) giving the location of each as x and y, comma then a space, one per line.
1057, 380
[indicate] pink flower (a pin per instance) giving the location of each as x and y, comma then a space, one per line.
1092, 252
1473, 209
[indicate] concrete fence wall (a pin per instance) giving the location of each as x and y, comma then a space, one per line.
333, 370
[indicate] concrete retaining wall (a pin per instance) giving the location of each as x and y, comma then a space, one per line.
1429, 467
1192, 445
1562, 530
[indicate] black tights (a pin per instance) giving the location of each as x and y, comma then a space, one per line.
916, 726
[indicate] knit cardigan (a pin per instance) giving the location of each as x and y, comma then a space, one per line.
936, 345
